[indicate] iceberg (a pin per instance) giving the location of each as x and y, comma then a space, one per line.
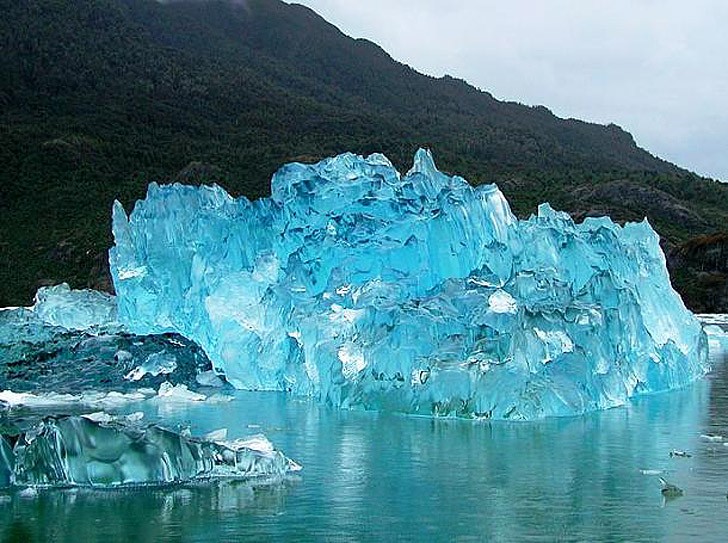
97, 451
416, 293
70, 342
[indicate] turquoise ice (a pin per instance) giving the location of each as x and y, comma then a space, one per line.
415, 293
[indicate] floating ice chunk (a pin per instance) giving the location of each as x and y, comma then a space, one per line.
415, 293
261, 445
179, 392
677, 453
52, 400
80, 451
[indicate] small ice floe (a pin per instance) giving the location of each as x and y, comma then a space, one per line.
179, 392
28, 493
53, 400
670, 490
115, 454
677, 453
219, 398
27, 399
713, 438
650, 471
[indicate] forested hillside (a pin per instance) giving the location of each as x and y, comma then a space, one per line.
100, 97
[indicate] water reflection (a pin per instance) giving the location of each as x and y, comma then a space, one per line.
377, 477
134, 515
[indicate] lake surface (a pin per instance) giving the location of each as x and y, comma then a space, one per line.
381, 477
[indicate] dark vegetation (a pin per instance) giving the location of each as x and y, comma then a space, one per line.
100, 97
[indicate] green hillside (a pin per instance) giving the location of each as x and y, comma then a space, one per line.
100, 97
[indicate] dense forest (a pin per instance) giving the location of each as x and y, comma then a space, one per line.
100, 97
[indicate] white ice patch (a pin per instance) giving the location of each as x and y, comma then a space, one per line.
556, 342
352, 360
348, 315
179, 393
502, 302
131, 273
95, 400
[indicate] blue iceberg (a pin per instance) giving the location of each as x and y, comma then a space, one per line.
417, 293
82, 451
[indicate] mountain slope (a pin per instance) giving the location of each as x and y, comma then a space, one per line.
100, 97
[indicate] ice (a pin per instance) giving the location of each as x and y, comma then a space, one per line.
75, 309
160, 363
179, 393
54, 401
112, 452
417, 293
209, 379
40, 357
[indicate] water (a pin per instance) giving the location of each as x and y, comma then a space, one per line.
381, 477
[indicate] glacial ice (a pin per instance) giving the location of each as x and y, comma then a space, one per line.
113, 451
79, 310
415, 293
70, 342
159, 363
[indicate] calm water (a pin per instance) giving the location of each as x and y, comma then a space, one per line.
377, 477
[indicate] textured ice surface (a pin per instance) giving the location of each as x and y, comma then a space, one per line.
88, 310
159, 363
53, 347
415, 293
108, 452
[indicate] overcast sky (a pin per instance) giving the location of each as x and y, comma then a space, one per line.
657, 68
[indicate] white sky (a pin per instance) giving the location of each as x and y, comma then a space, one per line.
657, 68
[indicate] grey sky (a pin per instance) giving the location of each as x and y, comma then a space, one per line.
658, 68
